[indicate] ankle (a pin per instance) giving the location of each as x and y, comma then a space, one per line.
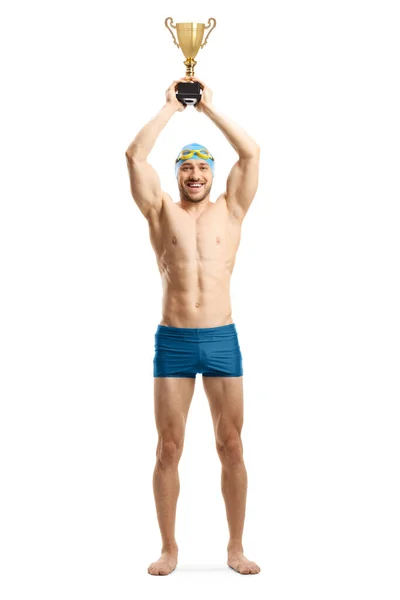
169, 549
235, 546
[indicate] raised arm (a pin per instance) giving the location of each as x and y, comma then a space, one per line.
242, 181
144, 181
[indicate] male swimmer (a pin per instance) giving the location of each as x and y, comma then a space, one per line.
195, 242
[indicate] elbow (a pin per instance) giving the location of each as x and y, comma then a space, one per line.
134, 152
252, 152
256, 152
129, 155
133, 157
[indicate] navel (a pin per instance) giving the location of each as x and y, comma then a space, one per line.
218, 240
174, 240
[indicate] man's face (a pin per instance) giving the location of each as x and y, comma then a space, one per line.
192, 172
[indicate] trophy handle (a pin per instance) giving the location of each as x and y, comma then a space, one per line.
170, 30
206, 27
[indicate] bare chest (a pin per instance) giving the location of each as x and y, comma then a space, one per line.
214, 235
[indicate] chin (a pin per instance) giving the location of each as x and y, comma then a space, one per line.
192, 199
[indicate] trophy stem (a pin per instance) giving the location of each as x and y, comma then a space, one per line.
190, 64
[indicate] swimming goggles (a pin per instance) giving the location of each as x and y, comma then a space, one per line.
186, 154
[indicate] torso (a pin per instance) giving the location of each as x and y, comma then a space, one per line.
195, 257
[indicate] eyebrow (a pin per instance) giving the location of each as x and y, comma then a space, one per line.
191, 164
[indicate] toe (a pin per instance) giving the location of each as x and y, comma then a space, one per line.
245, 567
255, 569
153, 569
160, 568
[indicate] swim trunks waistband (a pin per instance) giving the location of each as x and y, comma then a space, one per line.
192, 331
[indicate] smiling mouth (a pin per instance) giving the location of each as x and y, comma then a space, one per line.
195, 186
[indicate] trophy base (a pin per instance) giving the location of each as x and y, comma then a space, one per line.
189, 93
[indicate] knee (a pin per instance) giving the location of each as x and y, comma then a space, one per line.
230, 449
169, 450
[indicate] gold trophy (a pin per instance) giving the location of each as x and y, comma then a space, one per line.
190, 37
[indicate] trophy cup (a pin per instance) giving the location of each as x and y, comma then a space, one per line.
190, 37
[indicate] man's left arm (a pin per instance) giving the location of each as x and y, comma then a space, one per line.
242, 181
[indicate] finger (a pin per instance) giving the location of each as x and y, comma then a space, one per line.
175, 82
184, 80
174, 85
199, 80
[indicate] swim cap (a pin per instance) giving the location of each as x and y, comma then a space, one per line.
194, 146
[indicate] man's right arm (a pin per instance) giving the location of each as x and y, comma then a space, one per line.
144, 181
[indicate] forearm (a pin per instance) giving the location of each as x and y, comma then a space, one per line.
143, 143
244, 145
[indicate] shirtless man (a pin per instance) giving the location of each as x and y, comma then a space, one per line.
195, 242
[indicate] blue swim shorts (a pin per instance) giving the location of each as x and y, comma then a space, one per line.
184, 352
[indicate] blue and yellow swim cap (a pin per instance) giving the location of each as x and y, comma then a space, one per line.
194, 151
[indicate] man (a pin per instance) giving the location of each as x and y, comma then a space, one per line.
195, 242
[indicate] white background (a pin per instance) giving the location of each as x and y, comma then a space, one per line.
315, 296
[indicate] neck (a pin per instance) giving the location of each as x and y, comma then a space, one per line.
195, 207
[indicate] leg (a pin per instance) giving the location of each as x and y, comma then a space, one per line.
225, 396
172, 398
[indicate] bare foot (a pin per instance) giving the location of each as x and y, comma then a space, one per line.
164, 565
238, 562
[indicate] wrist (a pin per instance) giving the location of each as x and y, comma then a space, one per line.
170, 107
206, 107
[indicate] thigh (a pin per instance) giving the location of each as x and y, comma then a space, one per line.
172, 398
225, 397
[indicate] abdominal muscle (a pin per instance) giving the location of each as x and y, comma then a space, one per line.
197, 297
